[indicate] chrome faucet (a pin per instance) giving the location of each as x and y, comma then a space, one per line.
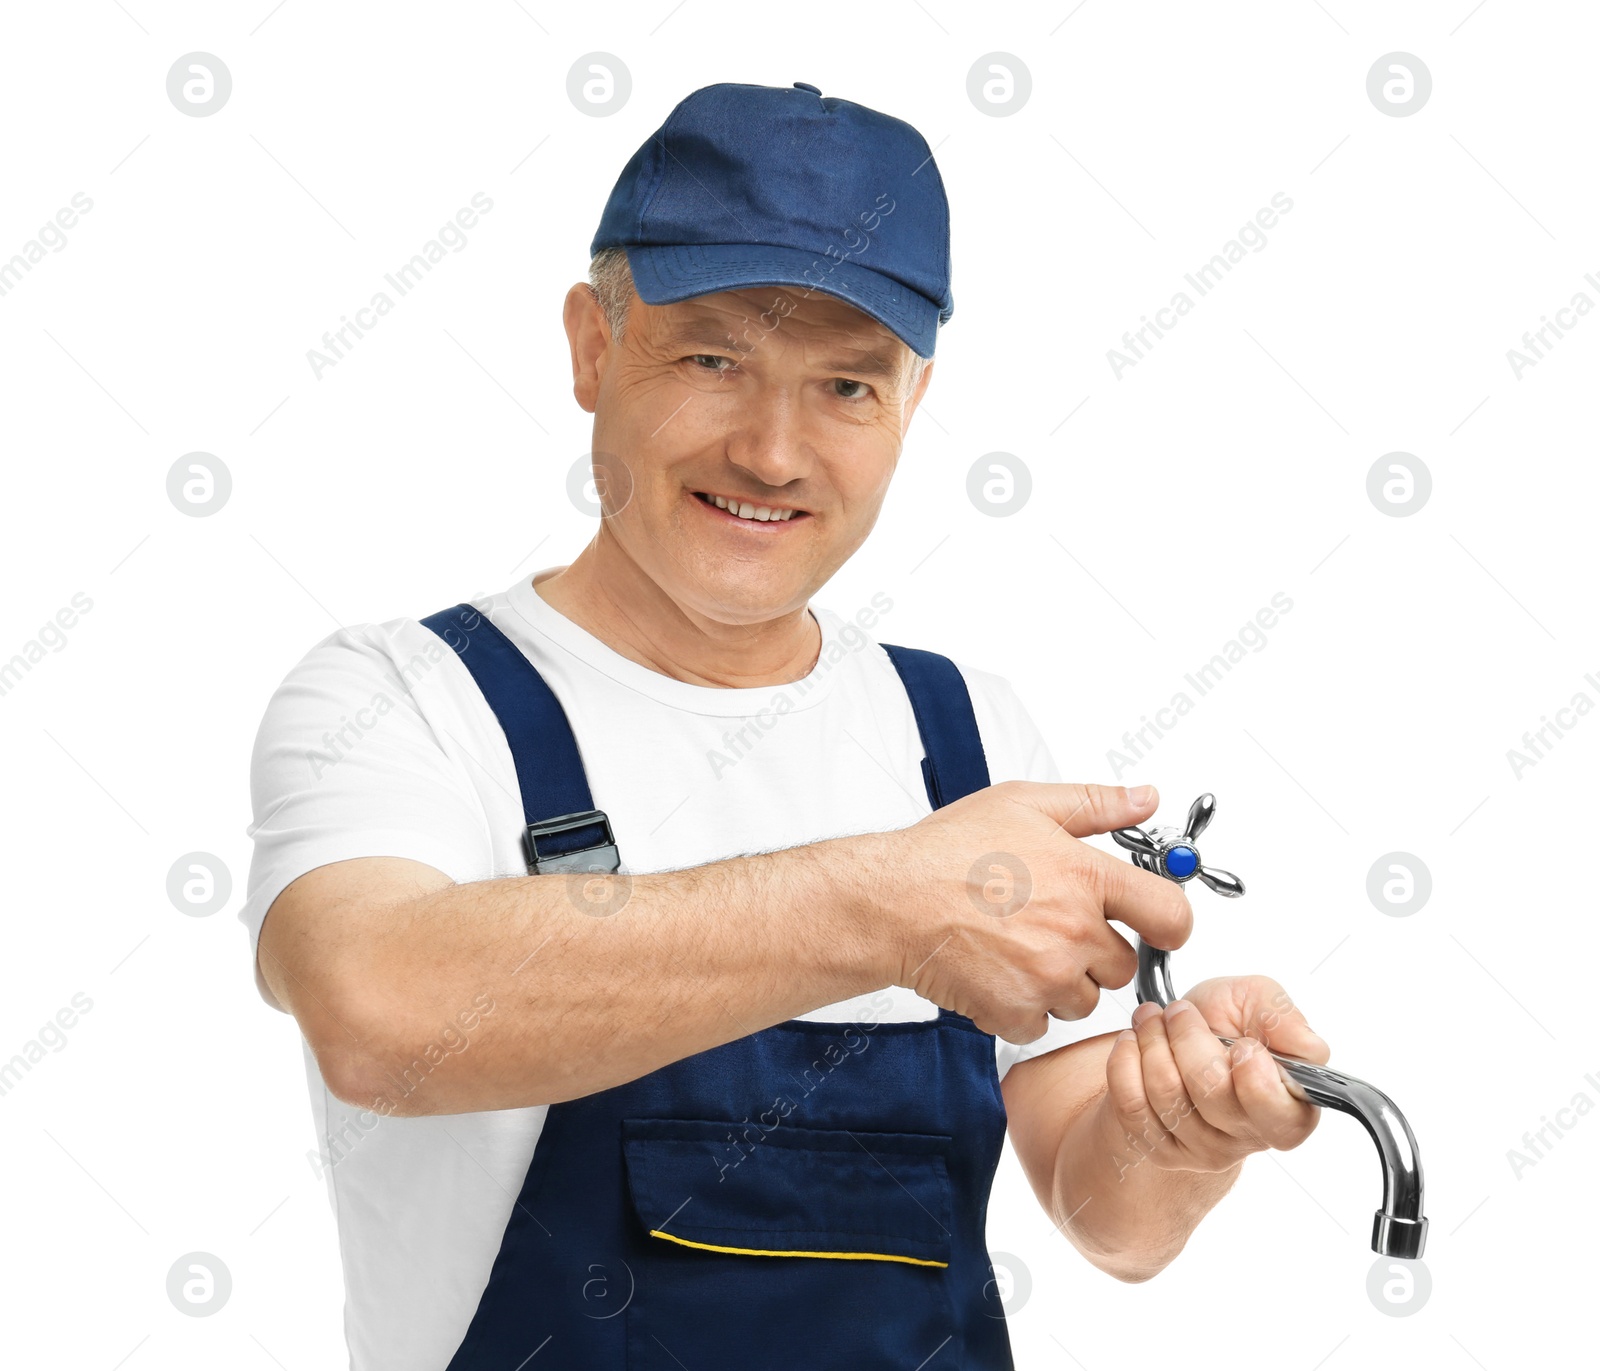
1398, 1229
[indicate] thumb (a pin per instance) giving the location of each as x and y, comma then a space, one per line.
1258, 1007
1085, 809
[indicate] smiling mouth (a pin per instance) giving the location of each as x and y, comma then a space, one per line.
749, 512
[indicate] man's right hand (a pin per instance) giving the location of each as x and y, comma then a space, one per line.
1000, 913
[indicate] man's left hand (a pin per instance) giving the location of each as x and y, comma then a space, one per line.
1185, 1102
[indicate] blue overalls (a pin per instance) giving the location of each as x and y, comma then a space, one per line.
810, 1196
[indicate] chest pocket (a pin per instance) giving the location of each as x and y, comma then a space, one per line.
789, 1247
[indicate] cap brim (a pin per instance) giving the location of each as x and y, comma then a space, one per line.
665, 275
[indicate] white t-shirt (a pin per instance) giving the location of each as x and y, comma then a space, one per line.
379, 743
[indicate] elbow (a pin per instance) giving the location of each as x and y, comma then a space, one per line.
1129, 1273
373, 1080
352, 1076
1131, 1265
352, 1061
357, 1053
375, 1057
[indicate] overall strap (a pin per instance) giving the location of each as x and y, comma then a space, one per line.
565, 832
955, 764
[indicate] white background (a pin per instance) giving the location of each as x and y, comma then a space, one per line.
1169, 507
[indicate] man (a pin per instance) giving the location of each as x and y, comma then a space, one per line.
658, 950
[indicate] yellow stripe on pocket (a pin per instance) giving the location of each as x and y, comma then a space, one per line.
771, 1252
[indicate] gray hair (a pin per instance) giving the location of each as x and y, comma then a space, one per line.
611, 279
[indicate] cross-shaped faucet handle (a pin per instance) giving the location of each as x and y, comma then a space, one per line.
1173, 854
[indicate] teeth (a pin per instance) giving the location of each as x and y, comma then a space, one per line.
746, 510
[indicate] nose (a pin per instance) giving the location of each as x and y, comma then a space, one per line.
770, 440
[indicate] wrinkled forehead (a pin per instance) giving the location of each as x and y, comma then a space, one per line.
813, 323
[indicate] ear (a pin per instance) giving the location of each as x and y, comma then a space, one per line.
589, 337
916, 396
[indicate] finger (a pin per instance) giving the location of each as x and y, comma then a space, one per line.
1112, 962
1152, 906
1085, 809
1019, 1031
1103, 955
1272, 1113
1129, 1104
1205, 1067
1163, 1082
1269, 1015
1081, 997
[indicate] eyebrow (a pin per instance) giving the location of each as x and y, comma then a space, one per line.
704, 331
709, 333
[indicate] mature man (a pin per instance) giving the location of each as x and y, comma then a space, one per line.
654, 951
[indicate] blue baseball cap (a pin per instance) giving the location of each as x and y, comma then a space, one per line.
782, 186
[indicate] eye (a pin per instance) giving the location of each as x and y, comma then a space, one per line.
862, 394
715, 360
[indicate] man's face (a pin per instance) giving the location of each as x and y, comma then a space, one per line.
765, 397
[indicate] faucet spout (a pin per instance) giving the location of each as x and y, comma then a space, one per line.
1398, 1228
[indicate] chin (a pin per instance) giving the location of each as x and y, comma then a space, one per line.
742, 600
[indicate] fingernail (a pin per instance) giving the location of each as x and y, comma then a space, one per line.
1127, 1036
1141, 795
1178, 1007
1145, 1012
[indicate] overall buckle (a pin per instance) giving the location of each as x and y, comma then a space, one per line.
599, 857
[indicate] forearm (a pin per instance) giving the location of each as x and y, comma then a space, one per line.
1110, 1195
565, 1002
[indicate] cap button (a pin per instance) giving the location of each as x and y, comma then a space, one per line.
802, 85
